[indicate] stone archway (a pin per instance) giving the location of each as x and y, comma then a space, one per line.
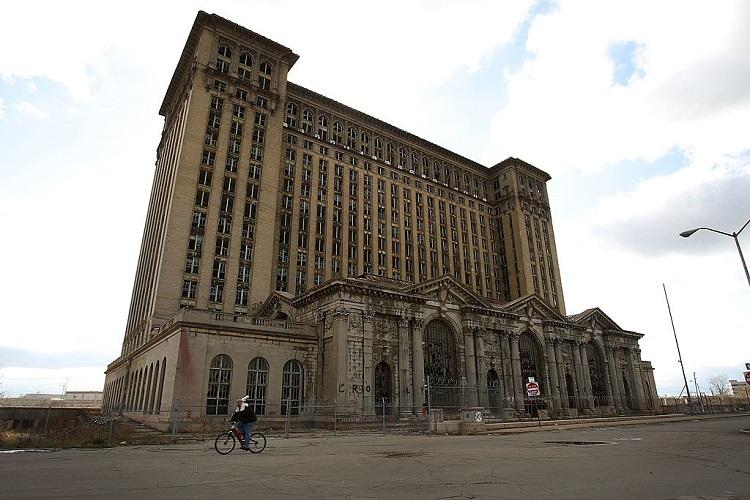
382, 388
598, 375
494, 392
441, 364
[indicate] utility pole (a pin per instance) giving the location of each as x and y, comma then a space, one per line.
687, 388
698, 392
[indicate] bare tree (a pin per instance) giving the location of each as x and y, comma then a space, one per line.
719, 385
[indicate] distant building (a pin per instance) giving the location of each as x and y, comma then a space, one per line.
301, 251
739, 388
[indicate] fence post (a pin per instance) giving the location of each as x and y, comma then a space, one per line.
429, 408
335, 417
383, 412
175, 414
286, 426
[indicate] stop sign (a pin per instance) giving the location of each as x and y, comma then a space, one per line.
532, 389
747, 377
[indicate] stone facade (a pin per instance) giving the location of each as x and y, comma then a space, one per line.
304, 251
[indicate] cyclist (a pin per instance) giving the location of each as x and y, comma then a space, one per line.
244, 416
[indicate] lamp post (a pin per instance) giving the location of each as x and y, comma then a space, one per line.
687, 234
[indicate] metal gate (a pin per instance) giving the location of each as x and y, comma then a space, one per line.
440, 364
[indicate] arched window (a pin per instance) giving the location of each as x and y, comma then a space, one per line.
264, 78
402, 157
365, 143
391, 153
291, 115
436, 170
160, 390
379, 148
291, 387
219, 378
307, 121
225, 51
351, 138
323, 128
414, 161
257, 382
246, 65
338, 130
425, 166
596, 369
441, 363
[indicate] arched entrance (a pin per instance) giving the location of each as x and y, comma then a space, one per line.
494, 392
441, 364
382, 388
531, 368
596, 369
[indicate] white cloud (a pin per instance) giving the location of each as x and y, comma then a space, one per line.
563, 111
30, 109
18, 381
2, 110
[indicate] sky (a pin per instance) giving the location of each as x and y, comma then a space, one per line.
639, 110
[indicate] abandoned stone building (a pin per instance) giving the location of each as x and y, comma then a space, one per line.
305, 253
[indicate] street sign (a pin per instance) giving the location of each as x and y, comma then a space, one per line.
747, 377
532, 389
747, 366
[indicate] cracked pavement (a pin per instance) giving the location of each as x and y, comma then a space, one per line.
702, 458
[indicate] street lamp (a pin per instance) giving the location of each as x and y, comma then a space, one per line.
687, 234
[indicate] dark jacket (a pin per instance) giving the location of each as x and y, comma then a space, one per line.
246, 415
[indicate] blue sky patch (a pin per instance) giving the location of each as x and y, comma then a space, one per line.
625, 67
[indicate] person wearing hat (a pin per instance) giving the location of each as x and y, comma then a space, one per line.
245, 417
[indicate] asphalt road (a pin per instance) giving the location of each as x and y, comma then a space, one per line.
706, 459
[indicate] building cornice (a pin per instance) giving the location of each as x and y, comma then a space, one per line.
204, 20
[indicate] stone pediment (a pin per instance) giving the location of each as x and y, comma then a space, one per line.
533, 306
274, 303
596, 319
445, 289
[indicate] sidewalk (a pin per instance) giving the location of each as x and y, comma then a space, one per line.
547, 425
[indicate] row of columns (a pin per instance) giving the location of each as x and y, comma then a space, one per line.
409, 379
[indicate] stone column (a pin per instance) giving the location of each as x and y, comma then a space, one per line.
470, 361
616, 395
341, 390
508, 383
482, 397
404, 368
417, 359
636, 381
641, 393
367, 368
587, 374
607, 383
552, 369
561, 373
515, 359
581, 392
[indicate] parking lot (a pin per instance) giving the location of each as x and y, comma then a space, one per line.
701, 458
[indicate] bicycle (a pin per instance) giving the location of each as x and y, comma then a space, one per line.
226, 441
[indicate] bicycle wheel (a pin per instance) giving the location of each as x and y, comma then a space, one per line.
225, 443
257, 442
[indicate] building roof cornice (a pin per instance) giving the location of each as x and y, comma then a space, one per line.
215, 22
301, 92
